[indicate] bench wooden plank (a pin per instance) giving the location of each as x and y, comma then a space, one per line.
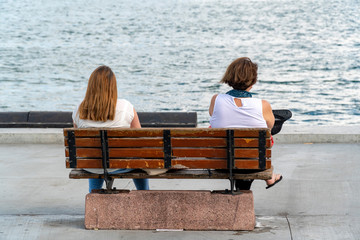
158, 153
176, 163
119, 142
217, 153
180, 174
217, 163
154, 132
217, 132
119, 153
216, 142
116, 132
176, 142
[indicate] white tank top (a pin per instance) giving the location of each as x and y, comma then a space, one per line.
124, 114
227, 114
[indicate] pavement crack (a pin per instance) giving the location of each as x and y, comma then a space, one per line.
291, 236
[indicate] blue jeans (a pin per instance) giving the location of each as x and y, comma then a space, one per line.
141, 184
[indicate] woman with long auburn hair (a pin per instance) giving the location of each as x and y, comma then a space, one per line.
237, 108
102, 108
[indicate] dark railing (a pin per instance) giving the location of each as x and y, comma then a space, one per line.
147, 119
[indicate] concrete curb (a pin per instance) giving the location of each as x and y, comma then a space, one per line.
289, 134
31, 135
319, 134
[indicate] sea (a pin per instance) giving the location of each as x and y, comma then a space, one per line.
169, 55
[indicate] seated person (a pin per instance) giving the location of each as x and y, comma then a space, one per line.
101, 108
237, 108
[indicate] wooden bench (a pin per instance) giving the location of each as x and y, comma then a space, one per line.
193, 153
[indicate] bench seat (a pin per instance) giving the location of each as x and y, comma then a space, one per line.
181, 174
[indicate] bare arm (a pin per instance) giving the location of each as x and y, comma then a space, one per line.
268, 114
212, 104
75, 126
135, 122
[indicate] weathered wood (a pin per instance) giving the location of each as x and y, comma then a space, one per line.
190, 148
181, 174
217, 152
119, 153
217, 163
158, 153
217, 132
201, 163
119, 142
176, 132
116, 132
216, 142
176, 142
120, 163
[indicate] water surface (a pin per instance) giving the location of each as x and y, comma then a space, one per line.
170, 55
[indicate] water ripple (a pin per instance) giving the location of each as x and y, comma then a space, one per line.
170, 55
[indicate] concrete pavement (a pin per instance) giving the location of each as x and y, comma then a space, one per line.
317, 199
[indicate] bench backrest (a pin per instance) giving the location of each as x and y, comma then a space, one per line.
193, 148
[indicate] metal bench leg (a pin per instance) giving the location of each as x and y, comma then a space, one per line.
109, 181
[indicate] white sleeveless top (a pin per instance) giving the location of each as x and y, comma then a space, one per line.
227, 114
124, 114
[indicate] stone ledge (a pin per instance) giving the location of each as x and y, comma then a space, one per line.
188, 210
31, 136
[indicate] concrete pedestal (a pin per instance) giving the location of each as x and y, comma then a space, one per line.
188, 210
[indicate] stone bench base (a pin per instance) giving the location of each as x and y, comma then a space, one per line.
188, 210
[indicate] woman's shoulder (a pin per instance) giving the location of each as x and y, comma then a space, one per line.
266, 105
218, 95
75, 113
214, 97
265, 102
124, 106
123, 103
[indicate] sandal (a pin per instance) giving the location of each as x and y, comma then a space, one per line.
276, 181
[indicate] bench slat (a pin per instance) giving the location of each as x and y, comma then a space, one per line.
116, 132
216, 132
181, 174
215, 142
119, 153
217, 153
153, 132
119, 142
176, 164
176, 152
176, 142
217, 163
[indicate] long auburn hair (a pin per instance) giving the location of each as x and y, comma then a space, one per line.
241, 74
101, 96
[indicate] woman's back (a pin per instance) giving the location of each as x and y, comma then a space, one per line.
227, 113
124, 114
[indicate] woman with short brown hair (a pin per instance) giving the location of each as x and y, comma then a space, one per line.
237, 108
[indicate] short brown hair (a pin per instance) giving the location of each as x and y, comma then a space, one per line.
241, 74
100, 100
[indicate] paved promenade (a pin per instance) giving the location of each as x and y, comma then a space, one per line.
319, 197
